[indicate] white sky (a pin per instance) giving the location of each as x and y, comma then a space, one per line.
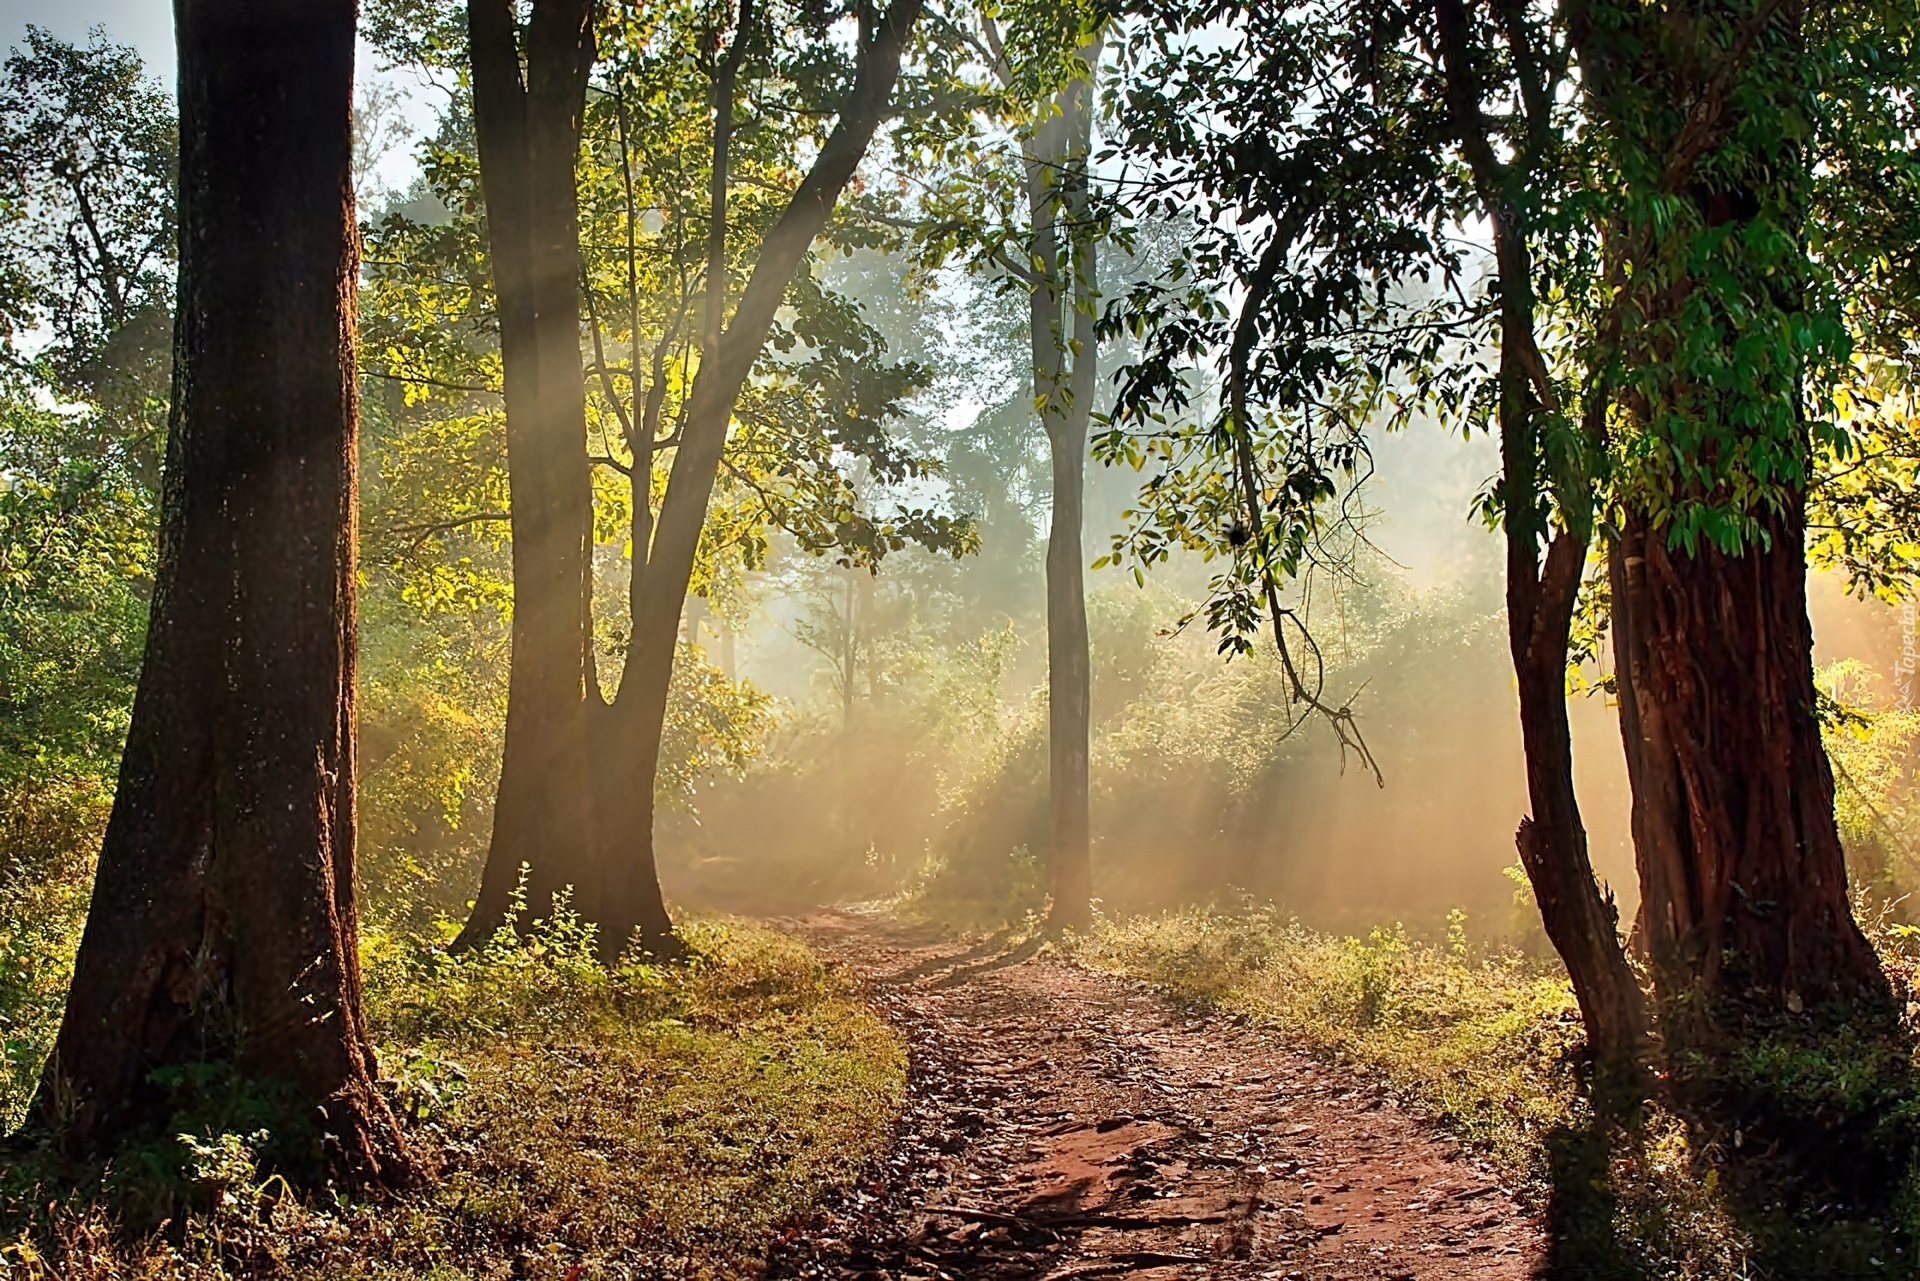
147, 25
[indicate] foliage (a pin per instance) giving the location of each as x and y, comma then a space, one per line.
50, 831
1871, 749
814, 419
1251, 417
75, 565
582, 1122
86, 195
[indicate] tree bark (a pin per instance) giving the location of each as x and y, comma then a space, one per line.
1743, 879
528, 130
1060, 325
222, 928
631, 900
1541, 594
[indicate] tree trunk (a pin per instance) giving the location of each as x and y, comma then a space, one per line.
1743, 879
222, 928
631, 900
1061, 324
1552, 840
1541, 594
529, 138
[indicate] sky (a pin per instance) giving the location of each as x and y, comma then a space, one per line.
147, 25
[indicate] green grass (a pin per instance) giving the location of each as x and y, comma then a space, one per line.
646, 1120
1483, 1043
1488, 1043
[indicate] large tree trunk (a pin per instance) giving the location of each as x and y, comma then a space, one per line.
630, 900
1743, 880
222, 927
528, 132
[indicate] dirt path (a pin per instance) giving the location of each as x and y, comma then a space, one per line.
1063, 1124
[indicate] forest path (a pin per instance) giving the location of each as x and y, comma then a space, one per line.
1065, 1124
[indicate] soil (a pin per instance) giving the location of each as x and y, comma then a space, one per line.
1064, 1124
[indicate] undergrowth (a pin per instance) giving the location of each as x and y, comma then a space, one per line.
580, 1123
1488, 1042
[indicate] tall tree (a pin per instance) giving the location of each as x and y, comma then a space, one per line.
1035, 136
529, 93
1547, 497
222, 929
732, 343
1066, 358
812, 415
1708, 114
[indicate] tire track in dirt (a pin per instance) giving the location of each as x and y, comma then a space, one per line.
1064, 1124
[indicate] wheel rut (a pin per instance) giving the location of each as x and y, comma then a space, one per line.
1064, 1124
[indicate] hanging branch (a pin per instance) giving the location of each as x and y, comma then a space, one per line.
1345, 727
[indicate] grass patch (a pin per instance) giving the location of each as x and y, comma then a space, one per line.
1489, 1044
1485, 1044
645, 1121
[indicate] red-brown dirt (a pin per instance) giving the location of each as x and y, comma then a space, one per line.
1066, 1124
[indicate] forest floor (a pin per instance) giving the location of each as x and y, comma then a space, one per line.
1065, 1124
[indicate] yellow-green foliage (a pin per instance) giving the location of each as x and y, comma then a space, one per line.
49, 834
1481, 1042
644, 1121
1876, 791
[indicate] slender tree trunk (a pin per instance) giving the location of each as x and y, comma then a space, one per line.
632, 900
528, 131
1541, 594
222, 927
1552, 839
1061, 325
1742, 873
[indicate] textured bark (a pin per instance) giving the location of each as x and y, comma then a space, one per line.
1743, 879
631, 901
222, 927
528, 129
